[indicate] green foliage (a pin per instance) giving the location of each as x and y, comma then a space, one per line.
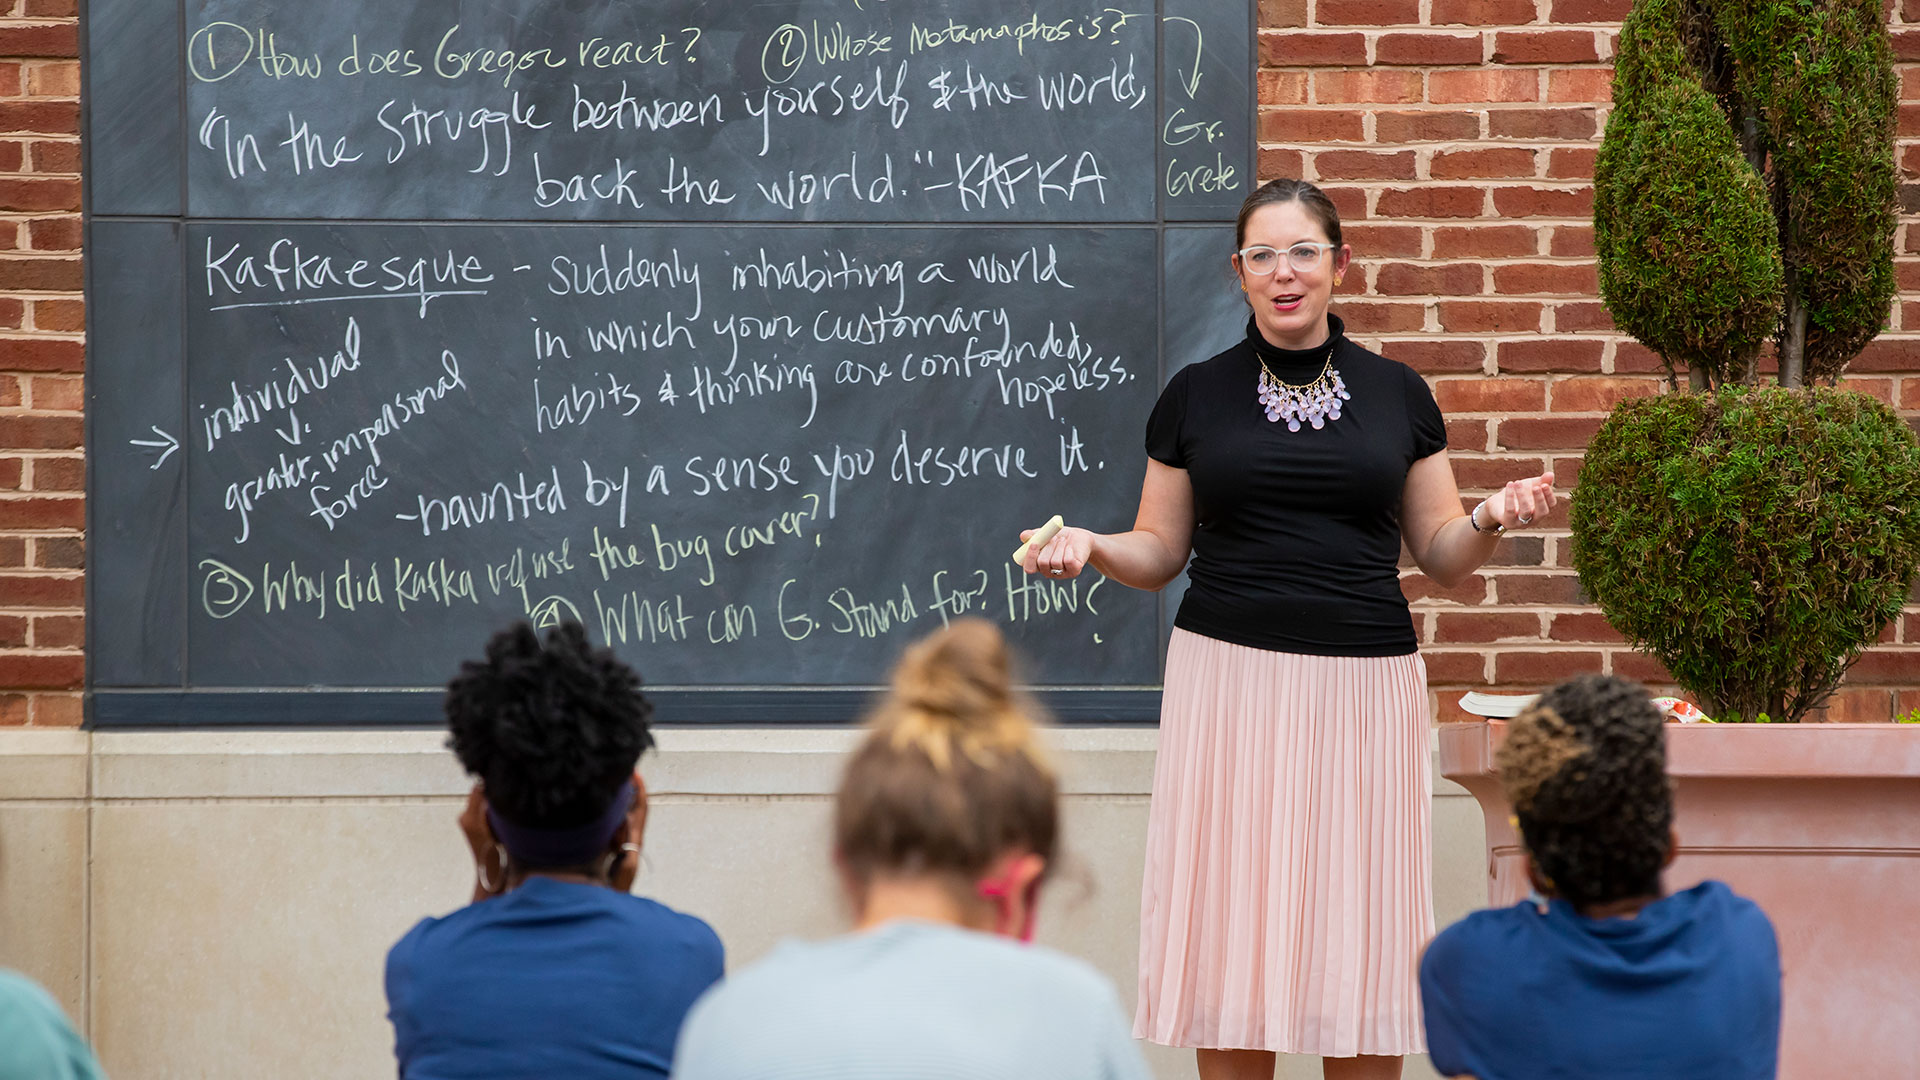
1754, 540
1727, 111
1689, 250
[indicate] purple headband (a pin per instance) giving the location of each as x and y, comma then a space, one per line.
575, 846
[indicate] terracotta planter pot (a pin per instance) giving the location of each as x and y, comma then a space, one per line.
1820, 825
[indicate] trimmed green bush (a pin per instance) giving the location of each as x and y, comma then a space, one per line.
1754, 540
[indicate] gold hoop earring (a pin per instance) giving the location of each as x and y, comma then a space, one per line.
487, 884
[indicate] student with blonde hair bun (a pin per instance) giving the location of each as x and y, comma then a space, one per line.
945, 829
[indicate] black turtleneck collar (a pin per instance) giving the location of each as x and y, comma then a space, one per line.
1295, 361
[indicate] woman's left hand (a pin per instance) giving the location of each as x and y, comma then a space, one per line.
1521, 503
488, 867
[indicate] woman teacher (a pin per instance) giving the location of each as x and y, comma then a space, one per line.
1288, 888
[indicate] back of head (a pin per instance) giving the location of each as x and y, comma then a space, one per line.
1585, 770
552, 729
949, 777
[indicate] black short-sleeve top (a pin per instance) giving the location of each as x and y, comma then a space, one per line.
1296, 545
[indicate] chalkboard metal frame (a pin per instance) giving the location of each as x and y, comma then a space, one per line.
138, 694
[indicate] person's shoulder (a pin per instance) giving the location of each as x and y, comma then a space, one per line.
687, 930
1715, 900
1469, 942
19, 994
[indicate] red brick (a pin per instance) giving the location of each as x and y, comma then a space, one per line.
58, 40
1898, 666
13, 153
1909, 123
1282, 87
41, 117
50, 156
13, 79
40, 432
36, 591
1275, 164
33, 513
1547, 433
1590, 11
1363, 165
1490, 395
1490, 316
1464, 627
1641, 668
1593, 394
1572, 241
1490, 473
40, 274
52, 9
40, 354
27, 671
58, 393
13, 549
1855, 706
1279, 13
60, 474
1633, 358
1435, 356
1543, 202
1545, 47
1906, 44
1311, 125
12, 311
1889, 354
1468, 435
13, 710
1431, 200
1403, 279
1427, 50
1584, 626
1483, 84
1500, 163
1482, 12
55, 234
59, 552
1558, 355
1485, 241
1349, 202
1572, 162
1420, 587
1296, 48
1390, 128
1383, 241
1389, 85
1515, 550
58, 710
60, 79
12, 474
1580, 84
1879, 389
1366, 12
1544, 668
1456, 668
1568, 124
1910, 628
1381, 318
68, 316
13, 631
39, 196
1518, 279
59, 632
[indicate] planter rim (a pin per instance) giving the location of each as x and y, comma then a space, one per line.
1784, 751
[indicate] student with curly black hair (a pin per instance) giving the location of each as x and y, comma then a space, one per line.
554, 969
1601, 975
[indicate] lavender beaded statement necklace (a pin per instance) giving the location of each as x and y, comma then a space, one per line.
1313, 403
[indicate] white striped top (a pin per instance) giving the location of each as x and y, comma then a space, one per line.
910, 1001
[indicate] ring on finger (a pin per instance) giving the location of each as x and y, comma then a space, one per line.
1056, 571
1526, 519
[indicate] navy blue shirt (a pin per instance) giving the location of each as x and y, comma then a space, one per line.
552, 979
1688, 989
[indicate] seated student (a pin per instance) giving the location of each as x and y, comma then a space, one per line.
1601, 976
36, 1042
945, 828
554, 969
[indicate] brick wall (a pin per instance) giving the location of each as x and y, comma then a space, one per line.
1457, 137
42, 470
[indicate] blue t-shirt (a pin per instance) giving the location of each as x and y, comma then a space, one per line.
1688, 989
911, 1000
552, 979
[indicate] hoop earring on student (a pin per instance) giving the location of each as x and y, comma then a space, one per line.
614, 857
485, 882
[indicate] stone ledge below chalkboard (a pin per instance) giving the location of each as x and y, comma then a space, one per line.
132, 709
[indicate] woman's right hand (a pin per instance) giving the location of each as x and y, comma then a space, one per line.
487, 866
1063, 557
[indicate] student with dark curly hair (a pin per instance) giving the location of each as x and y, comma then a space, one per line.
1602, 975
554, 969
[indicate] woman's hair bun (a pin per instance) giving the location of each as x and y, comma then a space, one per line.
961, 673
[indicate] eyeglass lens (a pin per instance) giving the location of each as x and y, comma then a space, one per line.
1265, 260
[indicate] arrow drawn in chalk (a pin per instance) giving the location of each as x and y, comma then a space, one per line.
1192, 79
169, 443
293, 426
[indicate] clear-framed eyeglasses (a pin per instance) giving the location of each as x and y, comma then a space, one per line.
1261, 260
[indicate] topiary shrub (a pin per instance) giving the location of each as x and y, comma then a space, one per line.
1754, 540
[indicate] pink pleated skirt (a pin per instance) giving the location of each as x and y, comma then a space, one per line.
1288, 890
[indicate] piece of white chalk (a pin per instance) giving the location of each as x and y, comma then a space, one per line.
1039, 538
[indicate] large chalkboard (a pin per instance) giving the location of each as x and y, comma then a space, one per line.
748, 335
